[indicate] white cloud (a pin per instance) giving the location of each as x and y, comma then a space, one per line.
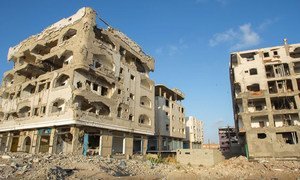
172, 49
218, 38
266, 23
243, 37
248, 37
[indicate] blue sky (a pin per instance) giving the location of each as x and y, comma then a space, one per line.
190, 39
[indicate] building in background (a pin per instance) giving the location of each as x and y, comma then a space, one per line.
211, 146
169, 120
228, 139
194, 133
78, 89
265, 92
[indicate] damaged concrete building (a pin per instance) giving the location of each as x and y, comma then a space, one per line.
265, 89
228, 140
76, 88
169, 120
194, 133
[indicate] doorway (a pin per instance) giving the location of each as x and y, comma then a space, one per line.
14, 144
118, 145
137, 145
27, 144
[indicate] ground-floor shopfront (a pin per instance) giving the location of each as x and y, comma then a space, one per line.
76, 140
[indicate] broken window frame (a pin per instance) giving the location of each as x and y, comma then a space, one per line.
62, 80
144, 119
59, 104
253, 71
26, 113
69, 34
266, 54
289, 137
253, 87
261, 135
145, 102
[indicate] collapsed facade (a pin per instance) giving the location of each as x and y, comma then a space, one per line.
194, 133
169, 120
265, 89
76, 88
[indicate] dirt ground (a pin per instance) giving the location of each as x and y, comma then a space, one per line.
41, 166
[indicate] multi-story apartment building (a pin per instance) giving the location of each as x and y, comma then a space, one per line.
265, 89
228, 139
77, 88
169, 120
194, 133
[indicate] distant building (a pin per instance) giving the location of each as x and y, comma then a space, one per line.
227, 139
194, 133
169, 120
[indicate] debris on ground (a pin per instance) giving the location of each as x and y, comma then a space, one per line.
54, 167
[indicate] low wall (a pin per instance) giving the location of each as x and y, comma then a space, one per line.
205, 157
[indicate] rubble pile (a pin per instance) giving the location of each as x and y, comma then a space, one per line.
52, 167
241, 168
41, 166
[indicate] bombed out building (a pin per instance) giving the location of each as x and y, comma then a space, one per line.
228, 140
265, 90
76, 88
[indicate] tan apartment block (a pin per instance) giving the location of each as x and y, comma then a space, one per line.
265, 90
77, 88
169, 120
194, 133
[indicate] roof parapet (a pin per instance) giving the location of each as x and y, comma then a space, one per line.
172, 92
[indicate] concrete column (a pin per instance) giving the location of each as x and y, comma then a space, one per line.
1, 140
268, 104
21, 141
53, 141
245, 104
271, 120
294, 84
145, 144
76, 144
247, 121
297, 100
291, 68
269, 109
129, 144
159, 143
35, 142
8, 142
106, 144
159, 90
31, 135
